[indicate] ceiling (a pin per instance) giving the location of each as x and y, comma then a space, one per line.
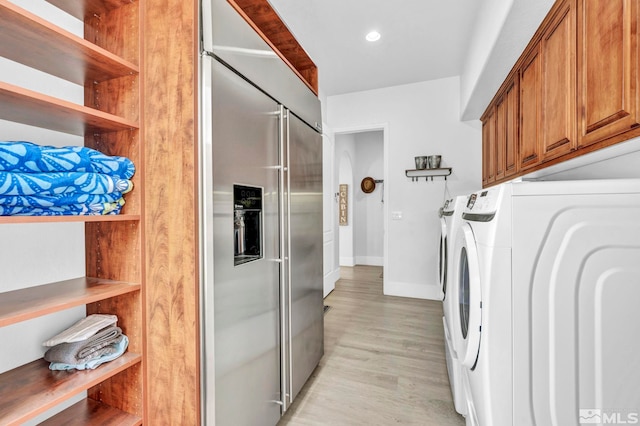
421, 39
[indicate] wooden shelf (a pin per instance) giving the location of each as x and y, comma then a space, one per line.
32, 389
90, 412
82, 9
32, 302
29, 40
59, 219
416, 174
35, 109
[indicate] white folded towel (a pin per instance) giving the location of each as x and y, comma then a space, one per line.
82, 329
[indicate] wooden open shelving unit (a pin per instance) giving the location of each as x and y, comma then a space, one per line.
107, 63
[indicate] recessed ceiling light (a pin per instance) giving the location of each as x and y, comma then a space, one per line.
373, 36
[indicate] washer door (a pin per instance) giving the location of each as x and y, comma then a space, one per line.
469, 297
442, 258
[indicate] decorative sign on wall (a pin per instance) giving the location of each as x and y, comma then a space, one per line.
343, 205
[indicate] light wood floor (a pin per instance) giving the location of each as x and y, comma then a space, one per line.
384, 361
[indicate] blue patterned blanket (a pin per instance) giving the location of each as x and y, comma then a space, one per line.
48, 181
27, 157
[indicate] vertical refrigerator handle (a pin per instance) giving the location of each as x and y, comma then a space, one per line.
283, 265
288, 262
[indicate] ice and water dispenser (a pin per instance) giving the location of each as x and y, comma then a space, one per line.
247, 223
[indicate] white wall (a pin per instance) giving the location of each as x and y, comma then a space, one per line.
420, 119
346, 155
368, 208
503, 29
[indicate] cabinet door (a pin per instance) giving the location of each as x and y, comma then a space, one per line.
608, 64
530, 110
489, 148
558, 80
501, 137
511, 128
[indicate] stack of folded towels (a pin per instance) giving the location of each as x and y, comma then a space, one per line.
88, 343
38, 180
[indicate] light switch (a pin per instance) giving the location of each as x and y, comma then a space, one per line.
396, 215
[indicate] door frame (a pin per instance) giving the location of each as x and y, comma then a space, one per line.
384, 128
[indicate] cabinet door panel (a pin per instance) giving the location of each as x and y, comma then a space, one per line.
501, 138
511, 131
530, 110
608, 64
558, 84
488, 149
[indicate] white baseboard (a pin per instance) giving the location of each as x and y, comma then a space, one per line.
330, 282
370, 260
416, 291
347, 261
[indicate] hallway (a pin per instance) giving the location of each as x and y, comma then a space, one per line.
384, 360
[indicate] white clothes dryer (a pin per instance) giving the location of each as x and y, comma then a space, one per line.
549, 285
482, 326
450, 216
576, 297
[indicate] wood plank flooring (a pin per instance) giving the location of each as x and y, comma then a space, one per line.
384, 361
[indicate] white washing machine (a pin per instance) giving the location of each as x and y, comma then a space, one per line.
549, 286
450, 218
482, 326
576, 302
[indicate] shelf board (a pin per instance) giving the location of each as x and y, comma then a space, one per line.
60, 219
35, 109
28, 303
418, 173
32, 41
81, 9
31, 389
91, 412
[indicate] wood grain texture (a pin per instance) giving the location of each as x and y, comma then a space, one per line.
88, 8
558, 84
32, 389
34, 42
90, 412
530, 110
35, 109
171, 211
264, 19
24, 304
609, 89
384, 361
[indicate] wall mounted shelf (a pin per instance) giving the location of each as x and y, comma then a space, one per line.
416, 174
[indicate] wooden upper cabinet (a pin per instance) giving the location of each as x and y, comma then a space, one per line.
507, 117
608, 69
488, 147
512, 119
558, 83
530, 110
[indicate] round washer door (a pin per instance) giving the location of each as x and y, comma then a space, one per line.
469, 297
442, 258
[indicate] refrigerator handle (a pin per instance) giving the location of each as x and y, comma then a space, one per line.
288, 259
284, 393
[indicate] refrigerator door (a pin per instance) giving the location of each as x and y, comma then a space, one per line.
306, 322
245, 135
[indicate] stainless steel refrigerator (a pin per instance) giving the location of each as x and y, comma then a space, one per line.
261, 203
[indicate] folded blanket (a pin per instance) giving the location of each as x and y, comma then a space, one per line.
27, 157
96, 209
116, 350
83, 329
39, 200
17, 183
101, 343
